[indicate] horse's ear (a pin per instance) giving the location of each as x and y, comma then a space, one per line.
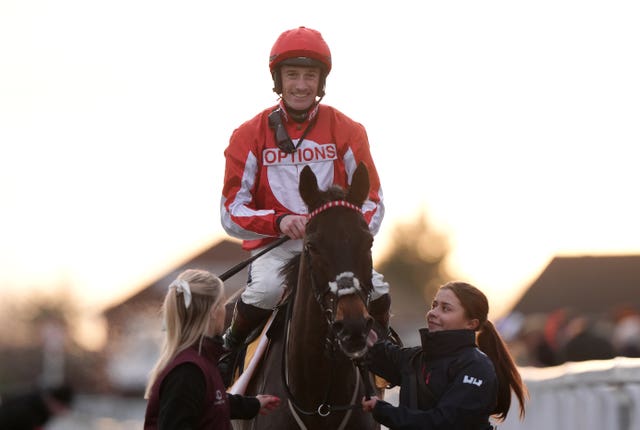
359, 190
309, 188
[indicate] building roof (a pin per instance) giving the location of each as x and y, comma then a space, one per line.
217, 258
586, 284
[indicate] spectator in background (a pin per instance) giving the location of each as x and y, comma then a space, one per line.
626, 331
554, 328
32, 410
583, 341
537, 351
542, 336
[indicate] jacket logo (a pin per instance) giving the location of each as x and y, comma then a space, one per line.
274, 156
219, 398
471, 380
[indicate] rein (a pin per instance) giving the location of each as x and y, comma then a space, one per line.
238, 267
324, 408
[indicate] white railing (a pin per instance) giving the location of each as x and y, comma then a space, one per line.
590, 395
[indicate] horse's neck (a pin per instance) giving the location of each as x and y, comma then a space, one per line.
308, 324
308, 329
309, 355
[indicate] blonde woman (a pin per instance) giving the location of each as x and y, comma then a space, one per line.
185, 390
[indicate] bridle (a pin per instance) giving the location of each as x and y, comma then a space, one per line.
341, 286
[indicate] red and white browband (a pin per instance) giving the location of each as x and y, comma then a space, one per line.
333, 204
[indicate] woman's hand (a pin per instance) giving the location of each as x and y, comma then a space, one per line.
368, 405
267, 403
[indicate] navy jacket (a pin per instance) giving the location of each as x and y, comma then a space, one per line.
447, 383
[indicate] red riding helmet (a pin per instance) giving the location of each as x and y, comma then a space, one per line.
300, 46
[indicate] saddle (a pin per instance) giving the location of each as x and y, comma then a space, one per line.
255, 346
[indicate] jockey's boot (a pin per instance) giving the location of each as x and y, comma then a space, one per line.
246, 318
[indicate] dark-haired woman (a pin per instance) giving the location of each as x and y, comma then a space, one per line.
461, 375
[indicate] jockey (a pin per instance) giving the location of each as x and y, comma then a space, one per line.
260, 198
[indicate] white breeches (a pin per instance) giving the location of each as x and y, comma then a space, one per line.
266, 286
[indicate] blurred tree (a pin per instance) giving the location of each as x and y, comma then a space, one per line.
52, 319
22, 316
13, 332
37, 346
415, 267
37, 352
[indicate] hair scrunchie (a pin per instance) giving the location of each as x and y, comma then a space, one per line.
182, 287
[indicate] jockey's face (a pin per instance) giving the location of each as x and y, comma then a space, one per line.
300, 86
447, 313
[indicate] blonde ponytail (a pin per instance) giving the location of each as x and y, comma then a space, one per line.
186, 316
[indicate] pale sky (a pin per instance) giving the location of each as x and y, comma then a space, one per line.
514, 123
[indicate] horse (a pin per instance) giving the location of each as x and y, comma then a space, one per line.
324, 323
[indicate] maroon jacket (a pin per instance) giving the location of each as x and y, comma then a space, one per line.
216, 411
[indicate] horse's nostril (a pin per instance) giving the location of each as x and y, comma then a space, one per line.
338, 327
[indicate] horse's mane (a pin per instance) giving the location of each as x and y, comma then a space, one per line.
289, 272
334, 192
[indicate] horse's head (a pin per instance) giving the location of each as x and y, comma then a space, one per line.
337, 251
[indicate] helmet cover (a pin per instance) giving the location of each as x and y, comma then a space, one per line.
301, 46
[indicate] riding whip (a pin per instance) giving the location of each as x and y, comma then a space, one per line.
238, 267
